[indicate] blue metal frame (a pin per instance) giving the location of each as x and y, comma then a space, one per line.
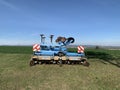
54, 49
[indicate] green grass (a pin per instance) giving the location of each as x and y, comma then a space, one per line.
16, 49
16, 74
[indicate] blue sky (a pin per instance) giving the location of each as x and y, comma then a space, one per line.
95, 22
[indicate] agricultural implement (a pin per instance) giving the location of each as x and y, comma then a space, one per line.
57, 53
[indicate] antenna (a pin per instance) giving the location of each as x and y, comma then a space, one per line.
51, 38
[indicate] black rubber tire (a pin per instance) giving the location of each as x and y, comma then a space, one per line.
40, 62
85, 63
59, 62
32, 63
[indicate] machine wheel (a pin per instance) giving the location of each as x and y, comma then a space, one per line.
40, 62
54, 62
68, 62
86, 64
60, 62
32, 63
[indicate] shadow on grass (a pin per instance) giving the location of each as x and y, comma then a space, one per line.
104, 57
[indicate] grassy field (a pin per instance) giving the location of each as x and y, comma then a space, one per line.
16, 74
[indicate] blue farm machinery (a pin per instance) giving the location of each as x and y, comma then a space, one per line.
57, 53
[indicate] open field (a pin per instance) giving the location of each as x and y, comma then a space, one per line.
16, 74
